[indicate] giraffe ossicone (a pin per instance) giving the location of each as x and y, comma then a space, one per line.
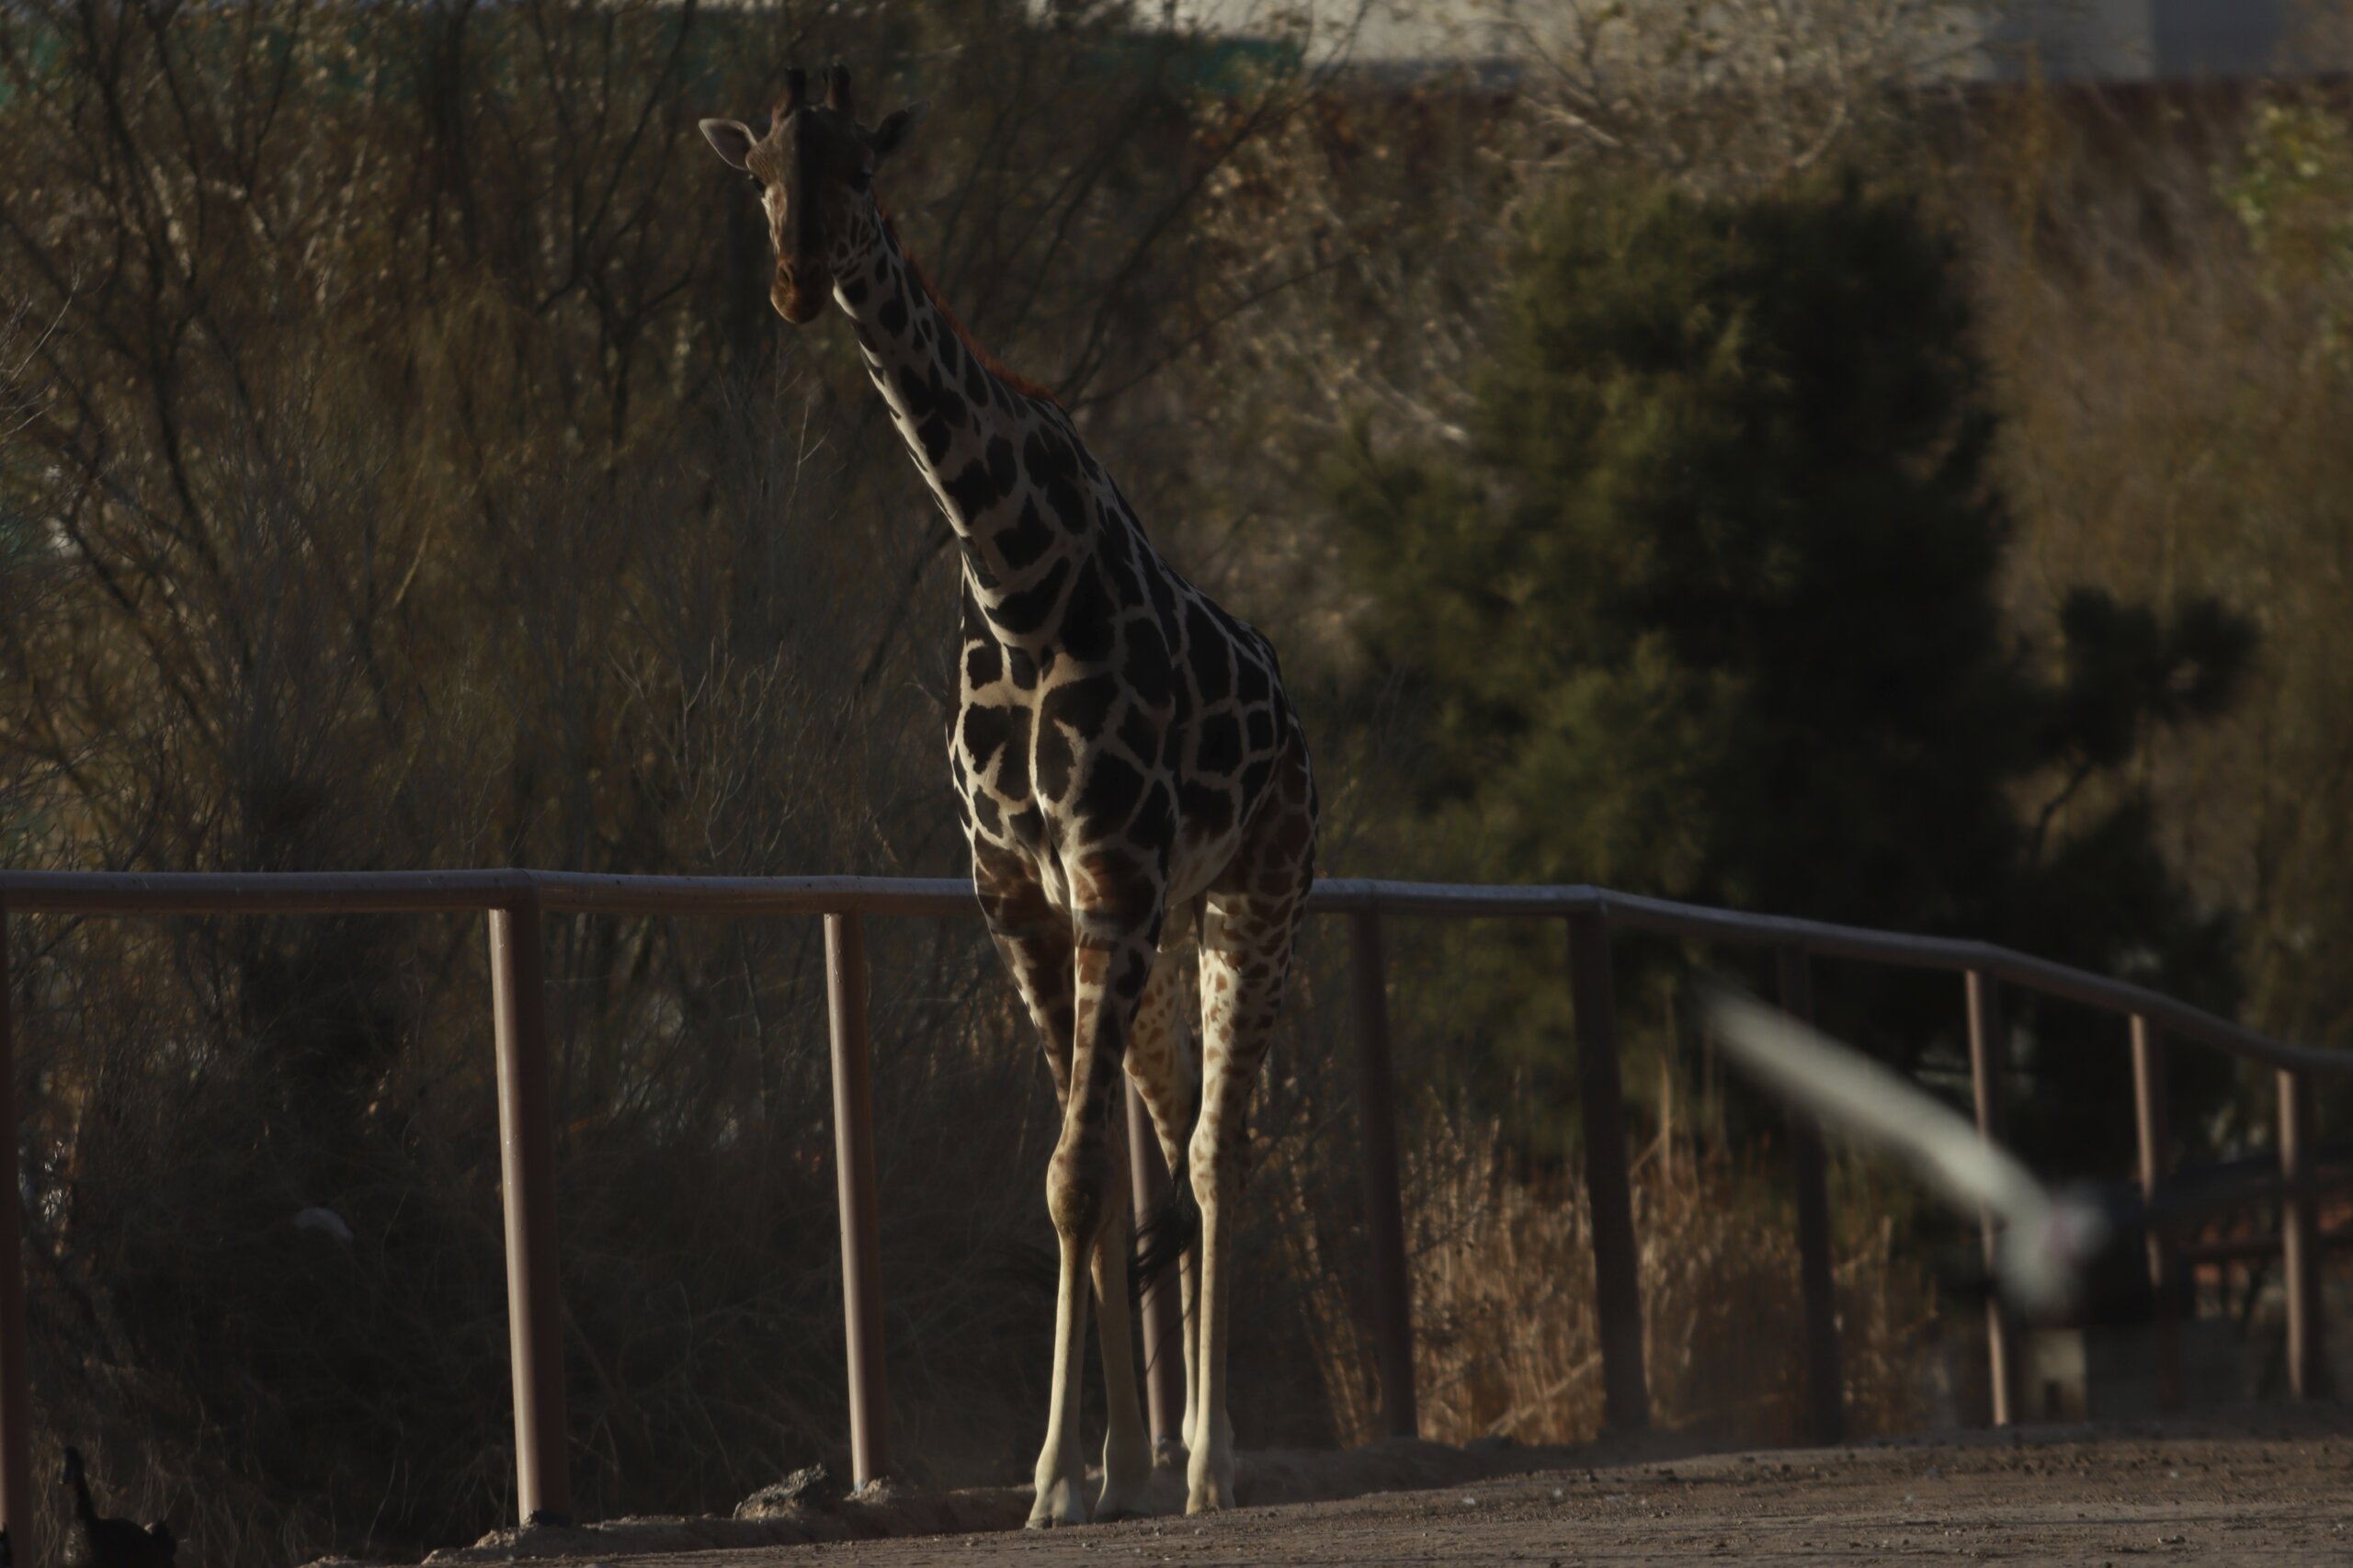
1131, 778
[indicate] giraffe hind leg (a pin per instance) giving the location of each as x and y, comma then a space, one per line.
1247, 938
1164, 1068
1238, 1019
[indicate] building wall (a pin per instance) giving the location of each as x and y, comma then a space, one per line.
2060, 41
2063, 41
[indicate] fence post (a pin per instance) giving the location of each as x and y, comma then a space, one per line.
1989, 1060
1826, 1382
1626, 1401
2155, 1160
1164, 1309
16, 1377
527, 1173
870, 1445
1385, 1216
2300, 1237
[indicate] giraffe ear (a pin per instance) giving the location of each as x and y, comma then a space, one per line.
886, 137
732, 138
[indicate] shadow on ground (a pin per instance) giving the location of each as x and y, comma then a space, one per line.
887, 1509
2279, 1459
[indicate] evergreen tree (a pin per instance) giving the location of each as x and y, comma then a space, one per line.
1711, 610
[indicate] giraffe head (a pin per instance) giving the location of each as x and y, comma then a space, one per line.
815, 170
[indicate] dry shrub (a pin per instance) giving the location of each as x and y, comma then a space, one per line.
1499, 1238
1507, 1342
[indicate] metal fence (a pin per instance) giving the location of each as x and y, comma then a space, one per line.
517, 902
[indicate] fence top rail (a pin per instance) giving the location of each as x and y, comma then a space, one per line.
381, 892
1894, 948
332, 892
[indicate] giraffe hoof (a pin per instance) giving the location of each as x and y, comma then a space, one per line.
1212, 1489
1057, 1504
1124, 1497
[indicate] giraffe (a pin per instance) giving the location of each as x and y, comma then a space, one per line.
1132, 780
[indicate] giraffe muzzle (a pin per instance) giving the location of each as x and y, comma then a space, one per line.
795, 301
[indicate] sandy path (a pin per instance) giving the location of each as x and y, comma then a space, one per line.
2273, 1491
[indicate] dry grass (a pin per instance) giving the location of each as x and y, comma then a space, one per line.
1506, 1335
2174, 399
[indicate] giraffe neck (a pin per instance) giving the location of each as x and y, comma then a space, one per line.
1002, 458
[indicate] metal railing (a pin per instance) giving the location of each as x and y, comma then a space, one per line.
517, 902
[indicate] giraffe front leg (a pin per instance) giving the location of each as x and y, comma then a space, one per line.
1127, 1444
1071, 1197
1108, 975
1036, 941
1061, 1479
1217, 1185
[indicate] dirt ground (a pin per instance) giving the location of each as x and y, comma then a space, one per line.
2270, 1489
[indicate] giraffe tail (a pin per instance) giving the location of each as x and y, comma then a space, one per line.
1166, 1234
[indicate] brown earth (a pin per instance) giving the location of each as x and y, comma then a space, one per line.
2269, 1488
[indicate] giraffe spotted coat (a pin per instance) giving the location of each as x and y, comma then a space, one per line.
1130, 775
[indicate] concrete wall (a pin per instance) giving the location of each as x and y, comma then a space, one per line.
2163, 40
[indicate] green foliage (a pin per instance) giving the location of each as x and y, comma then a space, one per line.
1710, 611
2292, 189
